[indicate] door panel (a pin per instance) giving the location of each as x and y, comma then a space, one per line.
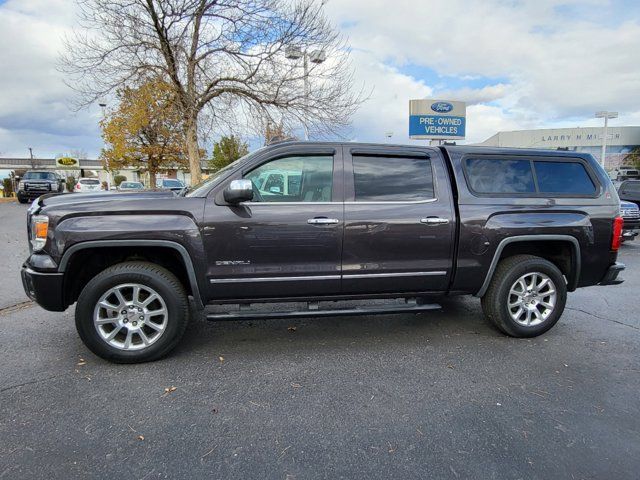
396, 245
278, 247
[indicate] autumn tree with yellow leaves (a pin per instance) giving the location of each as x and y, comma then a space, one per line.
145, 130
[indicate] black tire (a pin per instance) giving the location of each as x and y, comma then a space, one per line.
146, 274
496, 299
22, 199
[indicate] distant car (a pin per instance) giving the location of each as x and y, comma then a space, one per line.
625, 173
87, 185
278, 183
124, 186
629, 190
169, 184
631, 215
35, 183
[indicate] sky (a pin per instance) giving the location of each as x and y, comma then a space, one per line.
518, 64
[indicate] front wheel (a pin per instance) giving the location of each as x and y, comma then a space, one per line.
132, 312
526, 296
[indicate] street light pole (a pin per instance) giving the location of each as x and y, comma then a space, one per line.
106, 160
606, 115
317, 56
306, 95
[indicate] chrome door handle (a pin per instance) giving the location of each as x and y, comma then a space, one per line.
434, 221
323, 221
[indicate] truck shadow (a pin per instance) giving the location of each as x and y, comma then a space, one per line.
458, 317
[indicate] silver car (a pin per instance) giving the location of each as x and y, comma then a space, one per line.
127, 186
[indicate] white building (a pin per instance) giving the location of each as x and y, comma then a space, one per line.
620, 141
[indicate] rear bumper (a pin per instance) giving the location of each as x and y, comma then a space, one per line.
611, 277
44, 288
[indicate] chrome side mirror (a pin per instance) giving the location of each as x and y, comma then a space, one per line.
238, 191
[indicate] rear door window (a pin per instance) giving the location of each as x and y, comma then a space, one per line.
492, 175
387, 179
564, 178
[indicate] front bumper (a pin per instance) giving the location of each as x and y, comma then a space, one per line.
611, 277
44, 288
34, 193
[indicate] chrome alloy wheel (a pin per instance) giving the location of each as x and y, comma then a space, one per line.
130, 316
532, 299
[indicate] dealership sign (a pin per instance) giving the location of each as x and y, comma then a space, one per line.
437, 119
67, 162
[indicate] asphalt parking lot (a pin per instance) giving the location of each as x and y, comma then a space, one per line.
435, 395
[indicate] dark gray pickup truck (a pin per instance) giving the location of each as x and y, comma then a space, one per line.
316, 224
35, 183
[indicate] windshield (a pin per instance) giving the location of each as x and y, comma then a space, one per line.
630, 187
201, 188
130, 185
39, 176
89, 181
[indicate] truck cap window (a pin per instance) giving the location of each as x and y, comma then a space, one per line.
563, 177
293, 179
392, 179
489, 175
495, 176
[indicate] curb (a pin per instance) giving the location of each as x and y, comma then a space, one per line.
8, 199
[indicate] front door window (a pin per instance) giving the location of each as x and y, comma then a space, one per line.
293, 179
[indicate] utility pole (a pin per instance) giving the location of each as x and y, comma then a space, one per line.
31, 157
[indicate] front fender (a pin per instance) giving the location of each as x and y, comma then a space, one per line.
179, 232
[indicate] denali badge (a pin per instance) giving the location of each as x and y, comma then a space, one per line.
232, 262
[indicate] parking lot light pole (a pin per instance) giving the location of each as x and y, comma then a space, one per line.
106, 160
317, 57
606, 115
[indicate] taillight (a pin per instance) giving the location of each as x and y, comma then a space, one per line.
618, 223
77, 186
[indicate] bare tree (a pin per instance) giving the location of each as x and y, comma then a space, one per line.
78, 153
226, 60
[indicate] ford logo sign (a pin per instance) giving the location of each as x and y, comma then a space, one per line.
441, 107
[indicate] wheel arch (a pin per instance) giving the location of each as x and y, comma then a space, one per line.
518, 244
188, 275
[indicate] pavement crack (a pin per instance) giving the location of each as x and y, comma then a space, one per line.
31, 382
15, 307
603, 318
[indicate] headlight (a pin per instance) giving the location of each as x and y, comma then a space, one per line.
39, 230
20, 185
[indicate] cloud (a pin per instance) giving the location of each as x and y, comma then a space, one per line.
518, 64
557, 61
34, 104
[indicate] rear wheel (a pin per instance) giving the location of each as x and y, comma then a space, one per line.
526, 296
132, 312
